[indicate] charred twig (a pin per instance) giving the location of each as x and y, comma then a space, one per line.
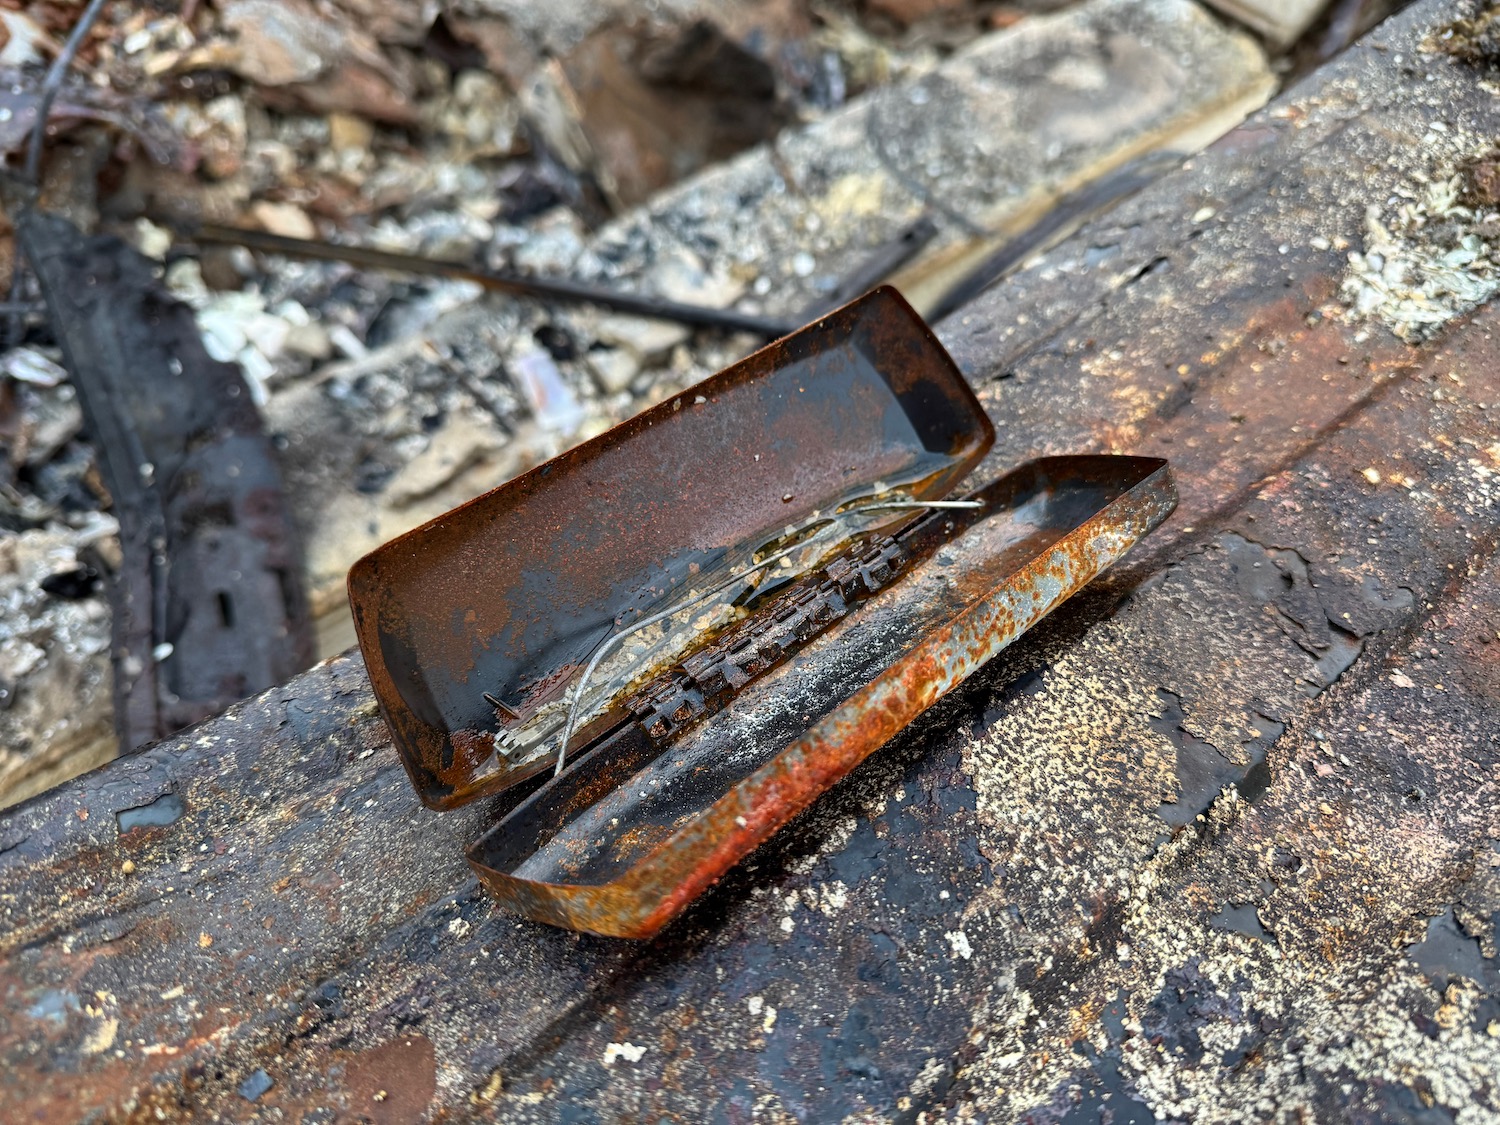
502, 281
481, 395
1066, 216
51, 85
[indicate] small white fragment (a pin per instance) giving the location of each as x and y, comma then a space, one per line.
551, 402
788, 924
755, 1004
162, 651
1402, 680
25, 41
102, 1037
835, 896
627, 1051
152, 240
32, 367
1372, 475
959, 942
1203, 214
346, 343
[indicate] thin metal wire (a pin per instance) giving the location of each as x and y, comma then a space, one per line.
611, 641
735, 579
880, 505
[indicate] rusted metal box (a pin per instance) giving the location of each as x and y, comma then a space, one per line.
730, 600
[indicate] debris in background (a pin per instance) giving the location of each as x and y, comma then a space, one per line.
646, 109
207, 593
23, 41
54, 657
318, 59
80, 102
1280, 21
552, 404
30, 366
906, 12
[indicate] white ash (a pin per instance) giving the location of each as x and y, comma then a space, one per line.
54, 652
1427, 259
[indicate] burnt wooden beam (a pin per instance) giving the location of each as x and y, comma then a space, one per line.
1218, 840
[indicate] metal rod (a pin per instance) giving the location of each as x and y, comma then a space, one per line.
52, 84
503, 281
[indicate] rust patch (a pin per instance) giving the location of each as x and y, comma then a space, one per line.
394, 1083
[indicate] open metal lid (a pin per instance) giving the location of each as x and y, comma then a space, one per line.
508, 596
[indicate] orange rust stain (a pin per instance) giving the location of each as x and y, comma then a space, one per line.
394, 1083
471, 748
1084, 1017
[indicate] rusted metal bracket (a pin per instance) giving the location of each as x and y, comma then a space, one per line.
769, 568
